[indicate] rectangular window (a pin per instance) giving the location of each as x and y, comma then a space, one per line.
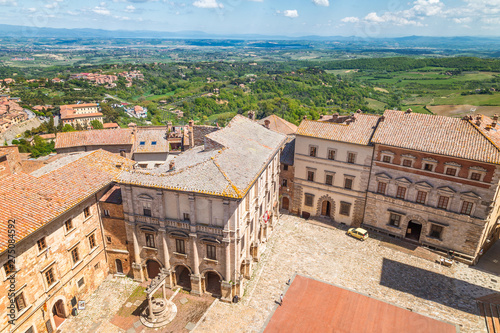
329, 180
451, 171
331, 154
186, 217
285, 167
106, 212
310, 176
395, 220
92, 241
9, 267
179, 246
153, 143
81, 282
86, 212
211, 252
41, 244
351, 158
475, 176
381, 187
443, 202
345, 208
108, 239
146, 211
309, 200
428, 167
150, 240
407, 163
49, 276
96, 266
466, 208
313, 151
20, 303
421, 196
386, 159
401, 192
68, 225
436, 231
74, 255
284, 183
348, 183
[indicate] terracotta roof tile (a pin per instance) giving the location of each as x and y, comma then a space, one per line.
119, 136
279, 124
151, 140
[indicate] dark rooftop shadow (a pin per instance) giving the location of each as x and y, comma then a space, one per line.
454, 293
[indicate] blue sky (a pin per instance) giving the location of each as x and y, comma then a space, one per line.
365, 18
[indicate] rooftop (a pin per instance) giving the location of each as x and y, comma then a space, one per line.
279, 124
151, 140
114, 196
119, 136
287, 155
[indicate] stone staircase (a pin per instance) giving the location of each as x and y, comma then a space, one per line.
489, 309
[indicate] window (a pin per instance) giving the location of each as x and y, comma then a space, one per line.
310, 176
142, 143
153, 143
309, 200
92, 241
179, 246
69, 225
381, 187
475, 176
42, 245
49, 276
348, 183
436, 231
351, 158
466, 208
345, 208
401, 192
81, 282
108, 239
443, 202
428, 167
407, 163
329, 180
74, 255
421, 196
186, 217
106, 212
386, 159
331, 154
86, 212
9, 267
395, 220
146, 211
313, 151
451, 171
150, 240
20, 302
211, 252
284, 183
285, 167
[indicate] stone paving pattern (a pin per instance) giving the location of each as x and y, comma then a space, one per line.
370, 267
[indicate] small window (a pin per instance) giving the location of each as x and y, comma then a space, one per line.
443, 202
106, 212
49, 276
313, 151
97, 266
86, 212
68, 225
179, 246
108, 239
186, 217
436, 231
345, 208
475, 176
348, 183
466, 208
284, 183
92, 241
331, 154
386, 159
310, 176
285, 167
20, 302
150, 240
146, 211
142, 143
153, 143
401, 192
309, 200
381, 187
81, 282
9, 267
421, 197
451, 171
407, 163
351, 158
428, 167
211, 252
395, 220
74, 255
42, 245
329, 180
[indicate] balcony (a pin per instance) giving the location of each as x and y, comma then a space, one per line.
147, 219
210, 229
178, 224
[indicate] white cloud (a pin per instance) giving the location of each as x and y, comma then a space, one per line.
30, 10
207, 4
462, 20
130, 9
325, 3
122, 18
292, 13
256, 0
8, 3
350, 19
51, 5
374, 18
101, 10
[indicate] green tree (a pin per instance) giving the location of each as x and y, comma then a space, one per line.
68, 128
96, 124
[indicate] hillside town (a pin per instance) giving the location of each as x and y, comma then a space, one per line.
238, 213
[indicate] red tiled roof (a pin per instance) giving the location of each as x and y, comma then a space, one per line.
81, 115
79, 106
437, 134
110, 125
34, 202
48, 136
358, 131
279, 125
120, 136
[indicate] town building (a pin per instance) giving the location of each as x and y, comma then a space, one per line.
203, 217
151, 146
110, 126
10, 161
81, 114
435, 181
58, 249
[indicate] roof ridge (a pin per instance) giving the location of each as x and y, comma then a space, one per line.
235, 188
484, 135
70, 163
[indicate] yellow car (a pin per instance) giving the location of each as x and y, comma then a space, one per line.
358, 233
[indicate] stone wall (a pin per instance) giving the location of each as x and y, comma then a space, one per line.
200, 131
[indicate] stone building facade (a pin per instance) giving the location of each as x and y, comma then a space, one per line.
332, 167
80, 114
58, 249
287, 176
204, 217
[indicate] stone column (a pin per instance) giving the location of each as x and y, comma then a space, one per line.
195, 277
150, 304
136, 265
166, 258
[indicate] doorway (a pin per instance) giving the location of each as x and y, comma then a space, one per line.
153, 268
119, 267
59, 313
182, 277
326, 208
285, 203
413, 231
212, 284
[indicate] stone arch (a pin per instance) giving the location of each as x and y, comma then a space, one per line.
182, 276
212, 282
153, 267
58, 305
320, 205
416, 218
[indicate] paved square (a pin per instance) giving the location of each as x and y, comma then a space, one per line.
372, 267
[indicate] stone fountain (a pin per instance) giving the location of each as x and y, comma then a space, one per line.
160, 311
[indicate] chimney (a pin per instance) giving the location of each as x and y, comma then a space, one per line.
359, 111
493, 124
251, 115
169, 126
408, 110
495, 117
191, 123
267, 123
382, 119
305, 117
171, 166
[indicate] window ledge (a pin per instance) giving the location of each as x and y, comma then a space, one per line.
10, 274
214, 261
43, 251
88, 218
150, 248
93, 249
70, 231
393, 226
23, 311
180, 254
77, 263
52, 286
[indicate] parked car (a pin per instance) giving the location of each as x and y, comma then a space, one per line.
358, 233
